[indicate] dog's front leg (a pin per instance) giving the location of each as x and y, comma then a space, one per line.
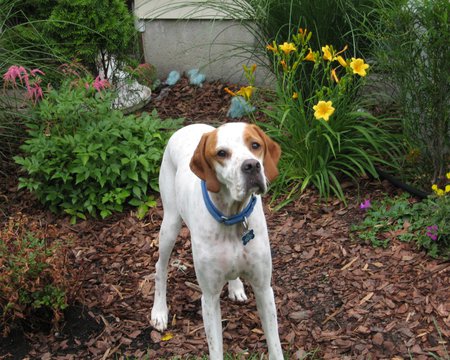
265, 303
212, 320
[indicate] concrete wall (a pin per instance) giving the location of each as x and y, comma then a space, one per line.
186, 38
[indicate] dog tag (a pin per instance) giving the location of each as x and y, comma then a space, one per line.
248, 233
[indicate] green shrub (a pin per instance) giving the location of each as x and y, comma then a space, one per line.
30, 273
318, 117
84, 157
411, 48
92, 31
426, 222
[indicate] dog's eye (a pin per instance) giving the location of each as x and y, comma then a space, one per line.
222, 153
255, 145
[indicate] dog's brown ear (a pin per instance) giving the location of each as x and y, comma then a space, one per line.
202, 168
272, 154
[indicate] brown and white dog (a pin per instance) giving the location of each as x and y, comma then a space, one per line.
235, 161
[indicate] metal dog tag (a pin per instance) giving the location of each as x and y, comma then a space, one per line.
248, 233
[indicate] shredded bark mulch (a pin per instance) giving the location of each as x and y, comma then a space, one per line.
336, 296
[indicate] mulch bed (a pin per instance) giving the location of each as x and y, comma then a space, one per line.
336, 296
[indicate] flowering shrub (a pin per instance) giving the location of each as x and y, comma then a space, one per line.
424, 222
83, 157
318, 117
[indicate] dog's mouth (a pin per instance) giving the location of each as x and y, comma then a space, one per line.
255, 184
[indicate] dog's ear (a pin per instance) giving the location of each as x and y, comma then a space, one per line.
272, 154
202, 168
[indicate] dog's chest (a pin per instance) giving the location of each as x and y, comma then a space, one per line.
225, 252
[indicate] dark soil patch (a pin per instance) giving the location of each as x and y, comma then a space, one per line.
334, 294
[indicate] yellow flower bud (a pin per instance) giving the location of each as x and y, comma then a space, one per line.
342, 61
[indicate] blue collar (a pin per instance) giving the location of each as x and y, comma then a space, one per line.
227, 220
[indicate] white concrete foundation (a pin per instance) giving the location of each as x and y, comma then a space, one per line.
217, 47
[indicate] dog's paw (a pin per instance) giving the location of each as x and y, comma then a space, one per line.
236, 290
159, 319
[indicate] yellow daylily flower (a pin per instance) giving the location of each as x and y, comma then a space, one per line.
447, 189
287, 48
447, 175
246, 92
323, 110
359, 67
327, 53
295, 95
310, 56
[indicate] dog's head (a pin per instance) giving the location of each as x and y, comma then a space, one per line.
238, 156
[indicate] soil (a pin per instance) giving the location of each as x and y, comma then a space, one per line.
336, 296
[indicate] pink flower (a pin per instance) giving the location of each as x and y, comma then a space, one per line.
432, 232
15, 72
35, 92
36, 71
365, 205
100, 84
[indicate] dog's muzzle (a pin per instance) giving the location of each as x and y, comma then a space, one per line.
254, 178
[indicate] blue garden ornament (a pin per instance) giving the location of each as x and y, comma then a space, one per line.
196, 78
239, 107
173, 77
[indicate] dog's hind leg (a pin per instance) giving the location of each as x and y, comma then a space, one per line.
168, 233
236, 290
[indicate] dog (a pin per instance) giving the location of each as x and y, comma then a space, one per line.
212, 179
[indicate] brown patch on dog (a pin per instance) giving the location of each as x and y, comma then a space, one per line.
270, 149
202, 161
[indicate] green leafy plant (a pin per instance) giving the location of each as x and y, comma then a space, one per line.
318, 117
92, 31
83, 157
425, 222
411, 48
30, 273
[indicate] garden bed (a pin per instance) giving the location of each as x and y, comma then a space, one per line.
335, 295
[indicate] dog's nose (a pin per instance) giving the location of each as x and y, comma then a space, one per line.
251, 166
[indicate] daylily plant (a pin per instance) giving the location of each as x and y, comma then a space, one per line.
291, 55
